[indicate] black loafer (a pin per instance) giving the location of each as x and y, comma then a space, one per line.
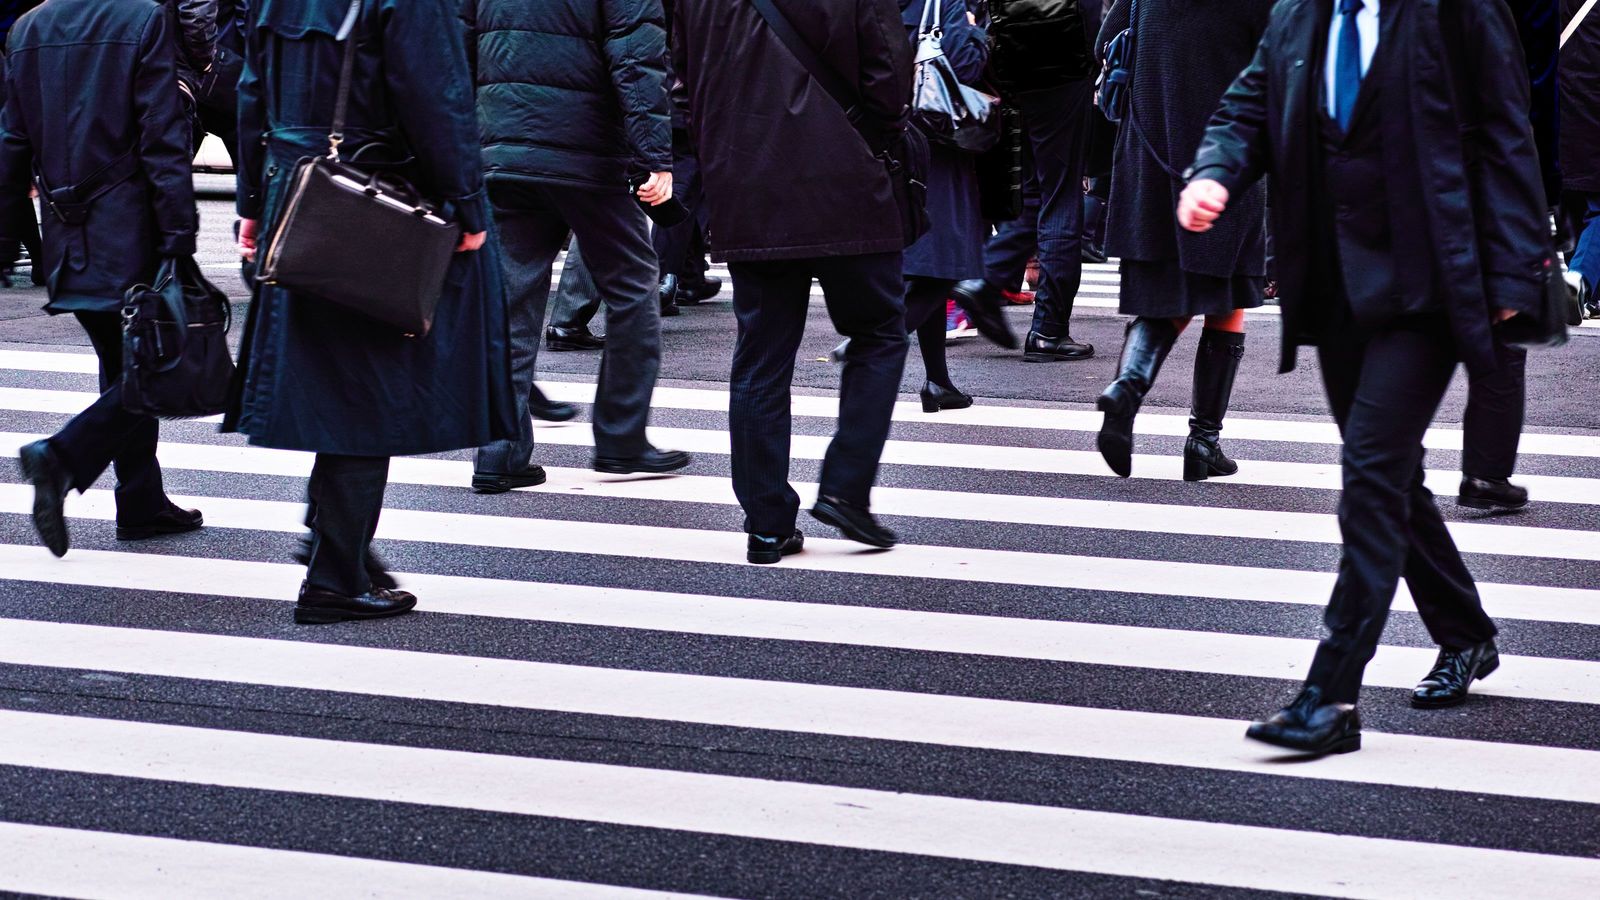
986, 308
1491, 493
51, 482
171, 521
570, 339
495, 483
1453, 673
650, 462
1041, 348
319, 607
1309, 725
935, 398
668, 296
856, 522
764, 550
699, 290
377, 572
546, 410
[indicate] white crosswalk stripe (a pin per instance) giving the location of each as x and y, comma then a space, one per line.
641, 616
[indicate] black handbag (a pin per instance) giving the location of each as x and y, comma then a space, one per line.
1546, 327
948, 111
365, 242
903, 151
1001, 171
175, 359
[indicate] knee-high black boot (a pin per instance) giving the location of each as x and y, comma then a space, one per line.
1215, 366
1147, 343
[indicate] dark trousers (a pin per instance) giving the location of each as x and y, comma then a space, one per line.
343, 501
1057, 123
1585, 213
771, 300
1492, 426
105, 434
534, 221
673, 244
577, 299
925, 318
1384, 389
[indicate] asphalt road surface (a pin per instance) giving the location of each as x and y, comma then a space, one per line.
1042, 693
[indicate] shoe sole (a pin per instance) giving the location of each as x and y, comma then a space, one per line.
1474, 503
1448, 702
1055, 357
1347, 744
496, 486
768, 557
155, 531
610, 468
45, 519
549, 418
312, 616
564, 347
849, 530
1113, 453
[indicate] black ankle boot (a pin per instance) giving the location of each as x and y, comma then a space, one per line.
1215, 366
936, 397
1147, 343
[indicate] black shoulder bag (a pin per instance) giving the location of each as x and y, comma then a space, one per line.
367, 244
906, 156
175, 360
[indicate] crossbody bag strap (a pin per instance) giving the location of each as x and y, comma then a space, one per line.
1577, 19
831, 81
1133, 115
347, 69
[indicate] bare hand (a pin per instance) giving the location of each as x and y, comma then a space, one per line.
1202, 202
471, 242
1500, 315
248, 229
657, 190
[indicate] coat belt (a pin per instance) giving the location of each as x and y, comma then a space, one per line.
70, 205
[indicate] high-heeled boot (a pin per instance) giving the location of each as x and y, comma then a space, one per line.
1215, 366
1143, 349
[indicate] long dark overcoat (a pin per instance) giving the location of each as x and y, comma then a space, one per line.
786, 174
953, 247
315, 377
1189, 52
1580, 102
1474, 170
91, 82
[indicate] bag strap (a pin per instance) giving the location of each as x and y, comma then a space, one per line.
347, 69
1133, 116
1577, 19
831, 81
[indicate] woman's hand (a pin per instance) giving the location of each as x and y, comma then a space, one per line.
471, 242
1202, 202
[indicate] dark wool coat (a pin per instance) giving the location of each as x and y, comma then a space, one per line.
1471, 176
315, 377
571, 92
1175, 91
89, 81
953, 247
1580, 102
786, 174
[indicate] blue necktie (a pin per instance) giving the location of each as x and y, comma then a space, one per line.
1347, 65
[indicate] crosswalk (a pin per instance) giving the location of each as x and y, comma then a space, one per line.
1041, 693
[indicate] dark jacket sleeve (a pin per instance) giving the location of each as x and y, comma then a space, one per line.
16, 166
163, 142
469, 18
1237, 148
964, 44
1115, 23
1510, 202
197, 30
635, 51
252, 124
884, 82
433, 97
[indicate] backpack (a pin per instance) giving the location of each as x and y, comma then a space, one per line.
1037, 45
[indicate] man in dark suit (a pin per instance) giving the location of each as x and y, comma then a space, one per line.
1401, 213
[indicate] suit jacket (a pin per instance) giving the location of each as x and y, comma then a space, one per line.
1470, 167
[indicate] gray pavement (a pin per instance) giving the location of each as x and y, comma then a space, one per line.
1041, 694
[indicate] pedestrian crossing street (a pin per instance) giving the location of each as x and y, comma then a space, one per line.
1041, 693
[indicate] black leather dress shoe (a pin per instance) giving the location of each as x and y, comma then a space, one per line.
1040, 348
1490, 493
377, 572
172, 520
669, 296
546, 410
1309, 725
495, 483
856, 522
764, 550
698, 290
1453, 673
986, 308
564, 339
652, 461
51, 482
936, 397
319, 607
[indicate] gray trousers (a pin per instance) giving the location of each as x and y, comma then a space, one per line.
534, 221
577, 298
